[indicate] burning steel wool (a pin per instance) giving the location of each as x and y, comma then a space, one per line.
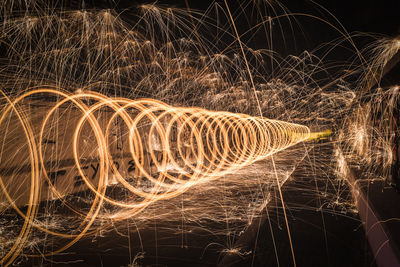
186, 146
167, 116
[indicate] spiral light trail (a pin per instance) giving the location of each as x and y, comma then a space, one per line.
187, 145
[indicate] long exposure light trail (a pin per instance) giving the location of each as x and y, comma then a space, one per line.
187, 145
90, 155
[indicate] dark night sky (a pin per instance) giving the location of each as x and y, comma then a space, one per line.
380, 16
370, 16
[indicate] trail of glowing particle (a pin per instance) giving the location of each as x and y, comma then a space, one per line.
15, 250
207, 144
244, 57
284, 212
259, 107
34, 197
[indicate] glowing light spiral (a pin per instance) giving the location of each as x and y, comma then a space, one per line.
187, 146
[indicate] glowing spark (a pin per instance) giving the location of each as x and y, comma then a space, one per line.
187, 145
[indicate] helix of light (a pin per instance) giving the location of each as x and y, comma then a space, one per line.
198, 144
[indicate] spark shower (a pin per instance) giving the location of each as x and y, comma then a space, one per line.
106, 122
